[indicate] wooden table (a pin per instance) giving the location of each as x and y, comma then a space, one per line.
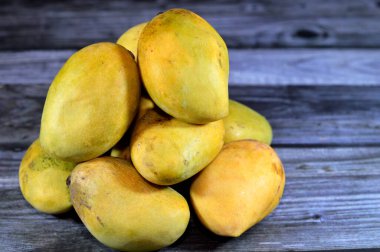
311, 67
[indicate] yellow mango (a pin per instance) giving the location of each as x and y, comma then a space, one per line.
167, 151
239, 188
145, 105
124, 211
130, 38
243, 122
122, 149
123, 152
90, 103
43, 180
184, 66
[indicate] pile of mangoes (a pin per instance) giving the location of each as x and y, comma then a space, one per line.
124, 121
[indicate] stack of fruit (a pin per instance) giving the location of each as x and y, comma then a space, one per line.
113, 154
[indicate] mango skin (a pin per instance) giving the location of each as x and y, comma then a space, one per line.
43, 180
146, 104
122, 149
124, 211
90, 103
243, 122
121, 152
130, 38
239, 188
184, 66
166, 151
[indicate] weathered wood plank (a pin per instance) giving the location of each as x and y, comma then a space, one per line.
331, 201
332, 115
247, 67
301, 23
300, 115
305, 67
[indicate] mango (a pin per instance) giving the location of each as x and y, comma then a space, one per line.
43, 180
130, 38
121, 152
90, 103
243, 122
145, 104
122, 149
124, 211
184, 66
166, 151
239, 188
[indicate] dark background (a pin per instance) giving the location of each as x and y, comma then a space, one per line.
311, 67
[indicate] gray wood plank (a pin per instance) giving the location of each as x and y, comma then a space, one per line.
261, 67
331, 201
301, 23
307, 116
300, 115
305, 67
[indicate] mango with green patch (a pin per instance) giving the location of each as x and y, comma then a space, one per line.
42, 180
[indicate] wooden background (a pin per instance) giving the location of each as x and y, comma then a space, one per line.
311, 67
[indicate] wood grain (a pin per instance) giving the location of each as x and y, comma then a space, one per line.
332, 196
55, 24
261, 67
300, 115
316, 79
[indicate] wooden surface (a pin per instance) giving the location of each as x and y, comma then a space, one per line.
274, 67
242, 23
322, 97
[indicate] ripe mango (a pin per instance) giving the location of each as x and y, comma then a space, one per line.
130, 38
184, 66
121, 152
90, 103
167, 151
243, 122
124, 211
239, 188
43, 180
122, 149
145, 105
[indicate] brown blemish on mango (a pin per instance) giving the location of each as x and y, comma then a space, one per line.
100, 220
